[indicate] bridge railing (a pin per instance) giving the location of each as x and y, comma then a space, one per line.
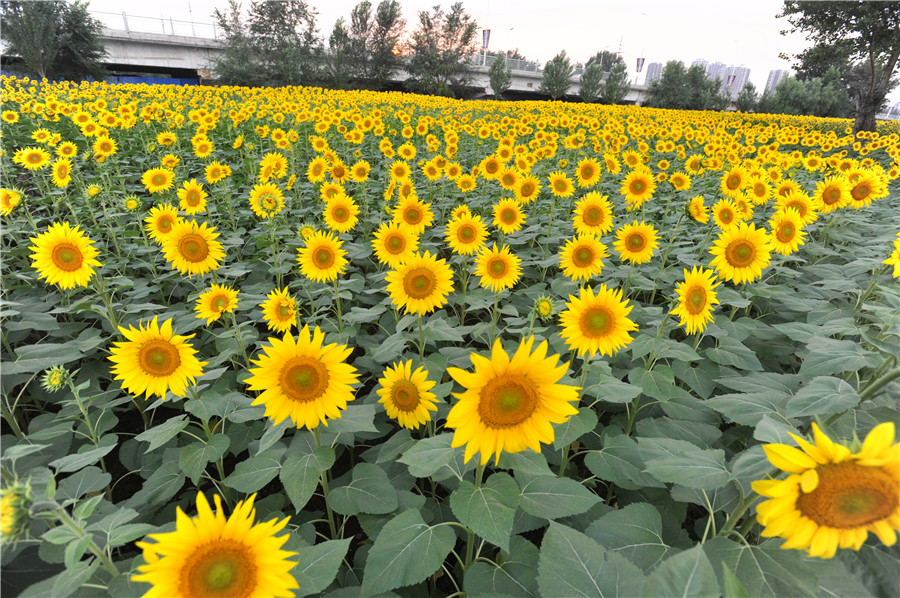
164, 25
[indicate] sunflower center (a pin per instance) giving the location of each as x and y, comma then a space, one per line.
323, 257
860, 192
193, 248
636, 242
405, 395
508, 216
192, 198
285, 311
34, 158
219, 303
67, 257
466, 234
395, 244
498, 268
340, 214
785, 232
726, 216
62, 171
583, 257
338, 172
560, 185
733, 182
850, 495
587, 172
507, 401
695, 300
526, 190
158, 180
593, 216
221, 569
637, 187
412, 215
831, 196
419, 283
268, 202
596, 322
303, 379
740, 253
159, 358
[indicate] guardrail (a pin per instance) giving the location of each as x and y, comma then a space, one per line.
165, 25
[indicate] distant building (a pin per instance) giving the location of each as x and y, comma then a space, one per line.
733, 78
654, 71
774, 77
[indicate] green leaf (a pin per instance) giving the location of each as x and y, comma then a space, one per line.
252, 474
688, 573
161, 434
320, 564
369, 491
551, 497
577, 426
733, 353
427, 456
124, 534
764, 571
390, 348
355, 418
163, 484
571, 564
71, 463
90, 479
828, 356
823, 395
613, 390
406, 552
680, 462
699, 378
194, 457
733, 586
658, 383
489, 510
748, 408
32, 359
618, 462
635, 532
65, 583
700, 434
514, 574
18, 451
300, 473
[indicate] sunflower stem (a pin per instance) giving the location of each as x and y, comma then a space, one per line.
239, 338
479, 475
104, 294
339, 312
65, 519
665, 257
738, 513
421, 342
323, 479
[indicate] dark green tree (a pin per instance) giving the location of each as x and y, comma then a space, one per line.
54, 39
746, 100
819, 96
500, 76
342, 59
589, 85
605, 59
616, 85
441, 48
555, 81
240, 61
670, 90
373, 38
869, 33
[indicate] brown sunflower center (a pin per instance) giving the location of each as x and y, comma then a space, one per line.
303, 379
62, 171
192, 197
583, 256
323, 257
395, 244
695, 300
587, 172
34, 158
786, 232
596, 322
593, 216
726, 216
419, 283
338, 171
67, 256
405, 395
740, 253
412, 215
860, 192
498, 268
193, 248
526, 190
164, 224
219, 303
159, 357
158, 179
831, 196
340, 214
637, 187
219, 569
636, 242
466, 233
850, 495
508, 216
733, 182
797, 205
285, 310
507, 401
560, 185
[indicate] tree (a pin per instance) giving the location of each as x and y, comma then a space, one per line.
605, 59
557, 74
670, 90
342, 58
441, 48
500, 76
54, 39
616, 86
819, 96
371, 44
747, 98
589, 86
868, 32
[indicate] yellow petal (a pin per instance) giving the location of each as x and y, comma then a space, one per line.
809, 481
788, 458
877, 441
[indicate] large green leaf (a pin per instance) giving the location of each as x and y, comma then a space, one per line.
680, 462
551, 497
688, 573
429, 455
368, 491
634, 532
319, 565
252, 474
194, 458
514, 573
489, 510
164, 432
829, 356
575, 427
300, 473
823, 395
764, 571
619, 462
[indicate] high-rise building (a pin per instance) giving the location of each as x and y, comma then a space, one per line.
774, 77
734, 79
654, 71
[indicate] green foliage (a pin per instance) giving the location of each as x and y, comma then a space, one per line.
556, 79
686, 89
589, 84
819, 96
363, 52
441, 48
747, 98
616, 86
500, 76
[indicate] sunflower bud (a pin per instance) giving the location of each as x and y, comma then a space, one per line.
543, 308
15, 502
55, 378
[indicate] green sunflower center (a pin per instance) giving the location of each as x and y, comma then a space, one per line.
405, 395
636, 242
583, 257
593, 216
695, 300
220, 569
395, 244
507, 400
597, 322
498, 268
323, 258
740, 253
419, 283
193, 248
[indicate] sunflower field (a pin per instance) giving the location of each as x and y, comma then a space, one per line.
291, 342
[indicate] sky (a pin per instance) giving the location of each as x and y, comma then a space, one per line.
734, 32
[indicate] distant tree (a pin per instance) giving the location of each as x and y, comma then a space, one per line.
342, 63
54, 39
589, 86
819, 96
746, 100
373, 41
670, 90
240, 61
616, 85
500, 76
868, 32
441, 48
605, 59
557, 74
715, 96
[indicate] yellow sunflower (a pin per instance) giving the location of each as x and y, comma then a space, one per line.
582, 257
510, 403
32, 158
865, 189
560, 185
787, 231
405, 394
359, 172
161, 221
394, 244
400, 170
9, 200
317, 170
322, 259
698, 211
696, 299
593, 215
62, 172
414, 214
636, 242
341, 213
498, 268
680, 181
508, 216
894, 259
302, 379
466, 183
421, 284
192, 197
587, 173
266, 200
833, 497
279, 310
509, 179
638, 187
466, 234
528, 189
212, 303
64, 256
832, 194
597, 322
192, 248
741, 252
209, 555
216, 171
759, 191
801, 202
153, 360
726, 213
158, 179
734, 181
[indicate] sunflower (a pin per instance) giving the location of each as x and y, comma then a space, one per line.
67, 149
759, 191
734, 181
490, 167
192, 197
593, 323
218, 300
64, 256
158, 179
266, 200
680, 181
508, 216
203, 148
466, 183
866, 189
498, 268
322, 259
528, 189
593, 215
62, 172
209, 555
359, 172
32, 158
787, 231
302, 379
317, 170
421, 284
509, 179
405, 394
636, 242
638, 187
414, 214
192, 248
394, 244
560, 185
582, 257
466, 234
588, 173
741, 252
832, 194
331, 189
894, 258
341, 213
510, 403
279, 310
460, 211
216, 171
696, 299
9, 200
166, 138
170, 161
725, 213
833, 497
153, 360
399, 170
802, 203
698, 211
161, 221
